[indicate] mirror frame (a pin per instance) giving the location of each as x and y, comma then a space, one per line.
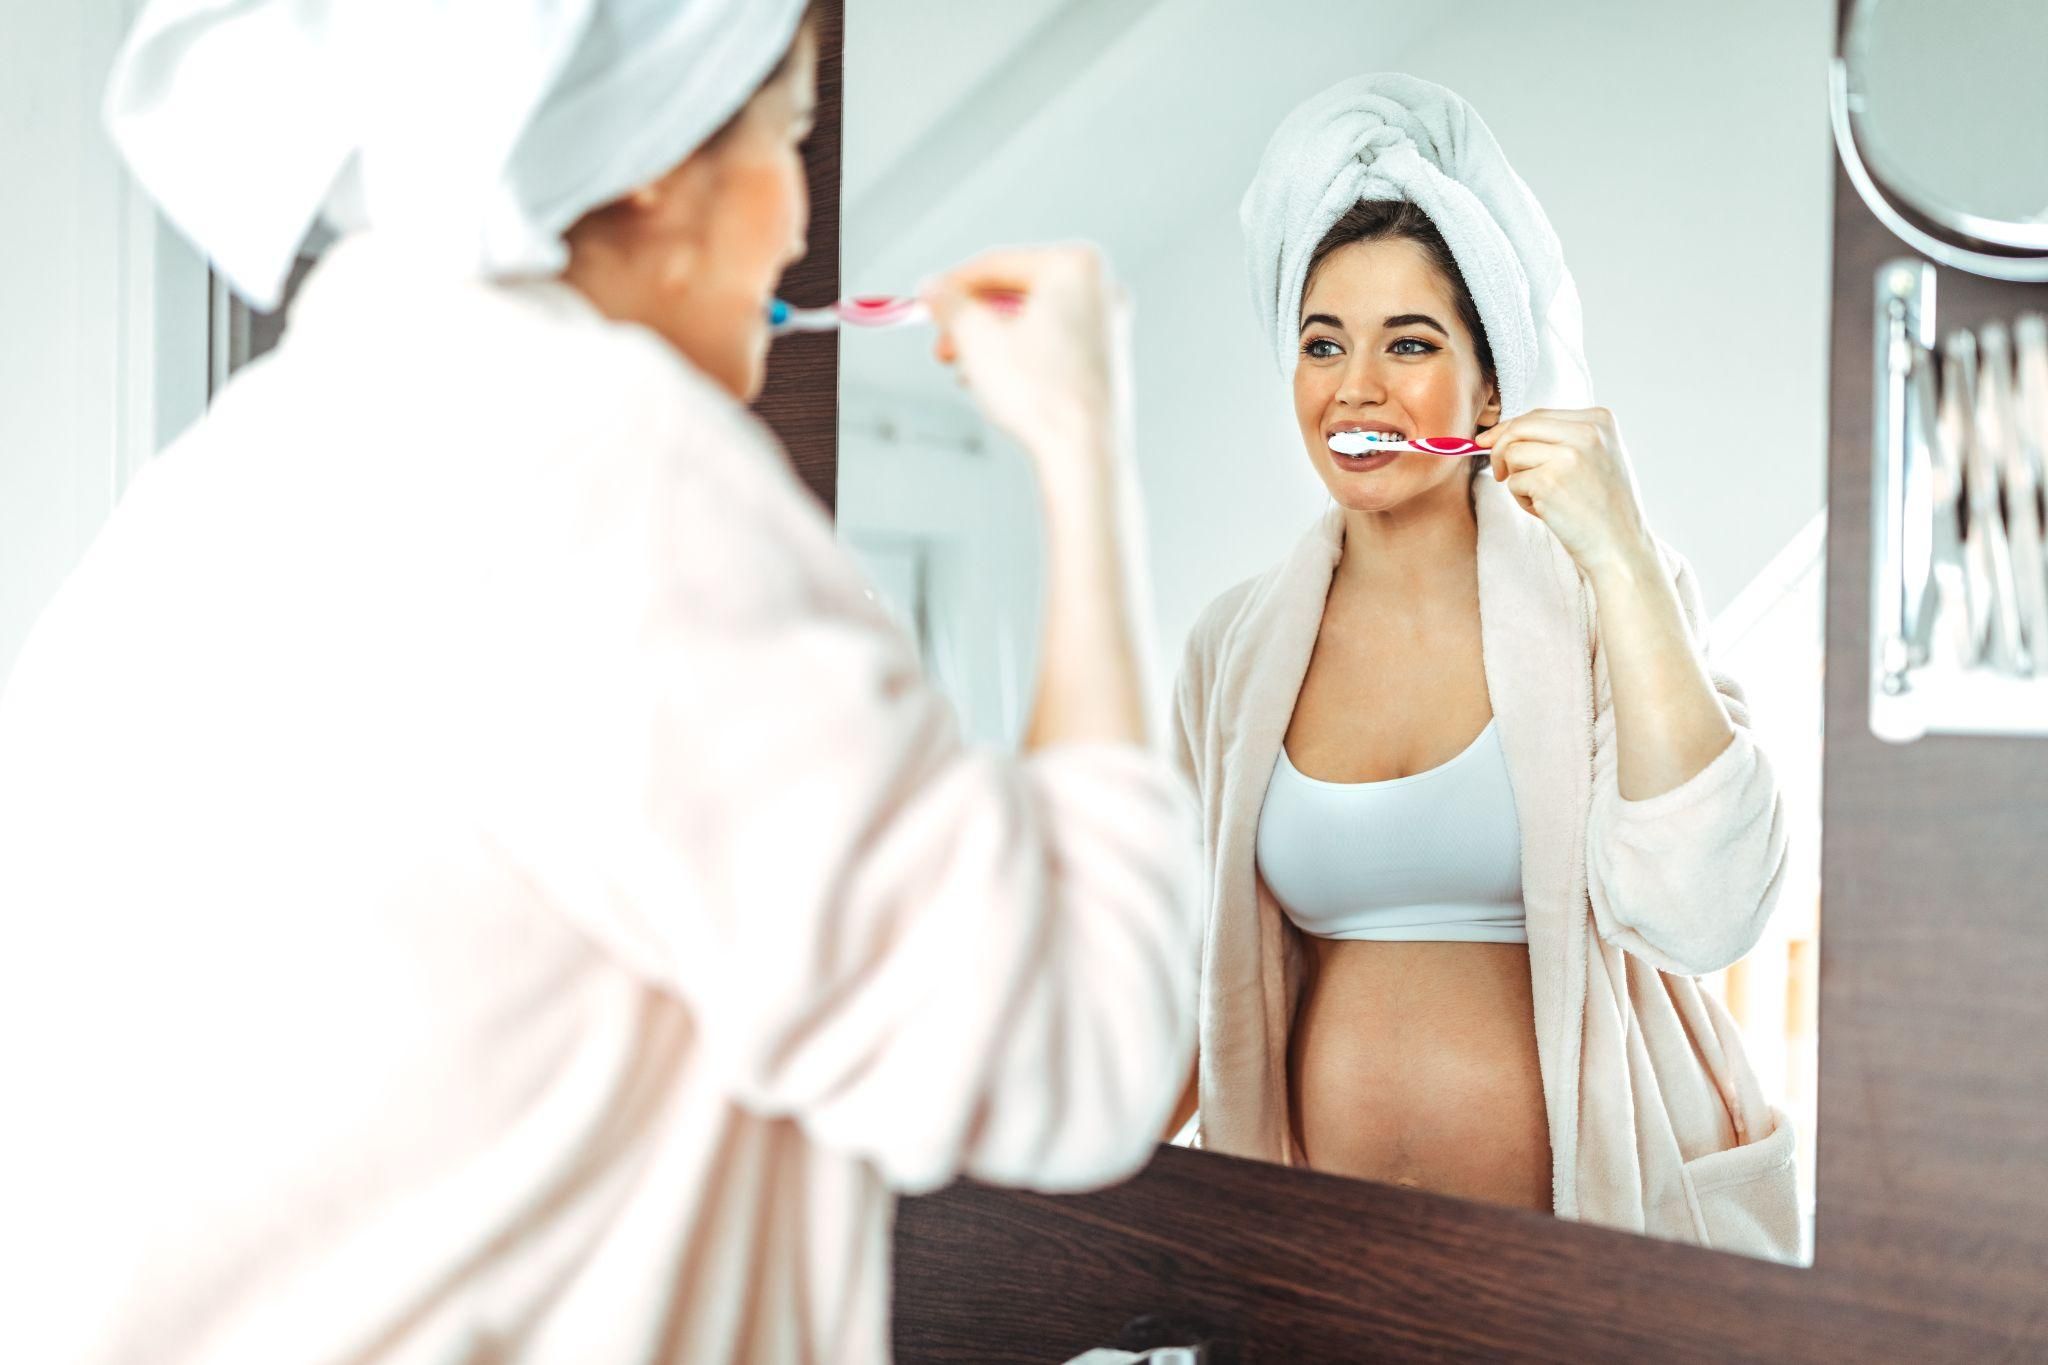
1990, 247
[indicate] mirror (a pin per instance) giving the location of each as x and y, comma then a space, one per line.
1933, 115
1696, 226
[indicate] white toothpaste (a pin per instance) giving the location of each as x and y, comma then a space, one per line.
1367, 442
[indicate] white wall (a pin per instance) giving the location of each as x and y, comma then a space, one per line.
983, 592
1681, 151
102, 308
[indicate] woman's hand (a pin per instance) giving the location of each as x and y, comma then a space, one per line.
1050, 370
1567, 467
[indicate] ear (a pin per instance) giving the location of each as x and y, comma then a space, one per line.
673, 216
681, 199
1489, 415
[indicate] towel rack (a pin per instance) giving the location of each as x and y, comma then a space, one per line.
1959, 581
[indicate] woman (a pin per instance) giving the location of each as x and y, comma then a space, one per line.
482, 879
1468, 779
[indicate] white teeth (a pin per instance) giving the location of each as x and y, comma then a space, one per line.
1360, 442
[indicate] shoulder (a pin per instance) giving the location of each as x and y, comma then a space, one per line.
630, 370
642, 451
645, 420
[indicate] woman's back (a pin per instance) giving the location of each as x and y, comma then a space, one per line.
481, 878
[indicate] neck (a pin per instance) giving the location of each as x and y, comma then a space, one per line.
1427, 542
603, 276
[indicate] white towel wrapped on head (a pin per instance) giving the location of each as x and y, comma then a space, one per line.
1389, 136
476, 131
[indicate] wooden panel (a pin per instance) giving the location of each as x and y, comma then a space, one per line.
801, 399
1934, 956
1933, 1167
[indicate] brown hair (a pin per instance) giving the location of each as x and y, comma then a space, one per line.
1374, 220
811, 20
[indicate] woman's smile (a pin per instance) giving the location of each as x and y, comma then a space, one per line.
1358, 457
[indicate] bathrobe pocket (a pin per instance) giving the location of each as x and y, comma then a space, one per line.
1746, 1199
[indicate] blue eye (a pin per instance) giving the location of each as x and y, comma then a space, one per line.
1309, 349
1413, 341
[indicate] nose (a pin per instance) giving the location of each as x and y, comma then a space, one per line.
1361, 385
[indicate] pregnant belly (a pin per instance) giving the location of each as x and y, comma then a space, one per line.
1415, 1064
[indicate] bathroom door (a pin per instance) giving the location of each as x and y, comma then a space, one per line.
1932, 1174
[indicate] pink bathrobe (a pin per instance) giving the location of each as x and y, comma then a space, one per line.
1657, 1123
482, 881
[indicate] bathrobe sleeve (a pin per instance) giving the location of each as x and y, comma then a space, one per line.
1191, 688
1187, 718
1686, 879
941, 958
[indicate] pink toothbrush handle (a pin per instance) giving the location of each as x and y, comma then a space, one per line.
1447, 445
881, 310
884, 310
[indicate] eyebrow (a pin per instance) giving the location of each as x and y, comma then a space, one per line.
1417, 320
1402, 320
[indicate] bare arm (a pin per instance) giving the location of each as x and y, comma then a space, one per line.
1668, 720
1091, 679
1053, 373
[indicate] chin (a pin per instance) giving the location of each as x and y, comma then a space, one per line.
1386, 488
1361, 500
742, 375
1373, 492
753, 379
753, 367
732, 355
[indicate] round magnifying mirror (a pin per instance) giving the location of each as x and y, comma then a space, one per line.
1946, 107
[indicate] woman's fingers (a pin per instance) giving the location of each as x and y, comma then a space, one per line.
1003, 277
996, 284
1038, 334
1528, 486
1542, 424
1520, 453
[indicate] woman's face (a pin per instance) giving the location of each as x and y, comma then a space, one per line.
1382, 349
697, 254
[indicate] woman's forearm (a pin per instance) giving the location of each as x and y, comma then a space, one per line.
1668, 719
1093, 658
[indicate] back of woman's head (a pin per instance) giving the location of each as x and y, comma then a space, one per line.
564, 107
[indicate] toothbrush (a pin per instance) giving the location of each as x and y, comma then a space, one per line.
879, 310
1357, 443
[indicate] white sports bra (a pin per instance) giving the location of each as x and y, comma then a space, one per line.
1436, 856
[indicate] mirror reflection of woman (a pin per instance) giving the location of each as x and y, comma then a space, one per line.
1470, 780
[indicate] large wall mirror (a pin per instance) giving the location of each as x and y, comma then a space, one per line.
1680, 152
